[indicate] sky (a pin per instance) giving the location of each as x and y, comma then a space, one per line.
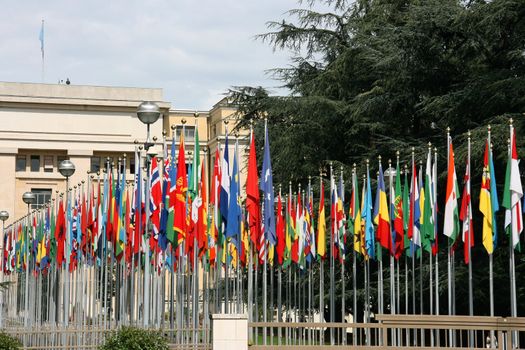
193, 49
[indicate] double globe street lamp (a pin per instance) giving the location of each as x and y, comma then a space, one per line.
148, 113
67, 169
29, 198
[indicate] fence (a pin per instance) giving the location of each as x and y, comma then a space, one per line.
392, 332
69, 338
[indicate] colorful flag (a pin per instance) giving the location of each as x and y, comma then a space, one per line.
321, 226
280, 228
382, 217
398, 214
179, 200
427, 227
466, 215
368, 219
415, 211
267, 188
451, 221
233, 225
488, 201
512, 194
252, 195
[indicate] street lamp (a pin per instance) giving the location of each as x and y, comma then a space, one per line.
148, 113
28, 198
4, 215
67, 169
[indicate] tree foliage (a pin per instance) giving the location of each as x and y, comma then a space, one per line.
370, 78
373, 77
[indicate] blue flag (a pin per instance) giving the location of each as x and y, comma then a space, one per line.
233, 225
369, 225
225, 184
266, 186
41, 38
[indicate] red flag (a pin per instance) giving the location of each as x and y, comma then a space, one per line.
60, 234
179, 222
252, 195
280, 231
202, 225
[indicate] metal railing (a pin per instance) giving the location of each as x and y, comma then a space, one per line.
392, 332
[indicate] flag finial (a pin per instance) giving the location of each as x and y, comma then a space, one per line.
468, 134
183, 121
429, 145
511, 121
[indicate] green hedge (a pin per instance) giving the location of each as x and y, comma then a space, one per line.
130, 338
8, 342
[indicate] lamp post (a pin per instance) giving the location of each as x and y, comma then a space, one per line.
67, 169
4, 215
148, 113
28, 198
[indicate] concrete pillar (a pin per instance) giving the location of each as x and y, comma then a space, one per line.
230, 331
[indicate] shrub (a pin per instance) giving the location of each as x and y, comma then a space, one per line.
8, 342
130, 338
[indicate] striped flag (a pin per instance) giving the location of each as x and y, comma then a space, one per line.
512, 195
451, 221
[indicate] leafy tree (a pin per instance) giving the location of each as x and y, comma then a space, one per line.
368, 78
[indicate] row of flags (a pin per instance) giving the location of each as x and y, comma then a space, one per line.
107, 220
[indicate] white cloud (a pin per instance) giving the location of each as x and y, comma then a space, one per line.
194, 50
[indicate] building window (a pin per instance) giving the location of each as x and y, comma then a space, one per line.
95, 164
21, 163
48, 164
43, 195
35, 163
132, 165
189, 133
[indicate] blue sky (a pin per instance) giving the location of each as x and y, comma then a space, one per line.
194, 50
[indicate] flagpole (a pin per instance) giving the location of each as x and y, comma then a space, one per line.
422, 340
449, 257
379, 256
431, 216
436, 237
321, 267
332, 263
392, 271
42, 50
434, 189
265, 286
354, 261
342, 254
513, 306
279, 287
470, 292
367, 262
491, 272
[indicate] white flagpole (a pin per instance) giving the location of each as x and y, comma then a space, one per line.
434, 189
513, 305
343, 253
321, 269
354, 260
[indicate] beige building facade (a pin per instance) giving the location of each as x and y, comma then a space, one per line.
43, 124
